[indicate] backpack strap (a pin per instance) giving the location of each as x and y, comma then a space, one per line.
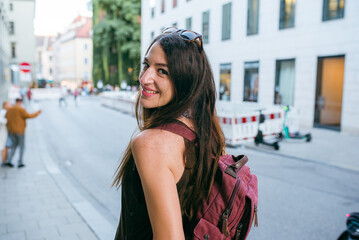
179, 128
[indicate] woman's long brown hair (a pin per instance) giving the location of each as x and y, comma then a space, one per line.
194, 90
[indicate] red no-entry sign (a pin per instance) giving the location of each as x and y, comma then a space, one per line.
25, 67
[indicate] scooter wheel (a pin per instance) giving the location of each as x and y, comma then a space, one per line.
276, 146
309, 137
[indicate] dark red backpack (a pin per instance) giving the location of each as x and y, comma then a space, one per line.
232, 204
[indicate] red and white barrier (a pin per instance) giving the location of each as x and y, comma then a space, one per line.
241, 128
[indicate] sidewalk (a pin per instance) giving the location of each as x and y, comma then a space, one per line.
327, 147
38, 202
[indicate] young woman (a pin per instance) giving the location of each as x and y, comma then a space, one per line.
164, 176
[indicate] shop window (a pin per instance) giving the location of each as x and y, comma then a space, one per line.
225, 82
251, 81
333, 9
287, 14
284, 82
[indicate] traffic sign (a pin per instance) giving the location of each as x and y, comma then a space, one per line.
25, 67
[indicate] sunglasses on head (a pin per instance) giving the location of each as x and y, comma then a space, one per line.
187, 35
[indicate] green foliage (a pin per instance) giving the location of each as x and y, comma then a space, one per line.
116, 40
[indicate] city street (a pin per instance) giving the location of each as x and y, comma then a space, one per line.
298, 199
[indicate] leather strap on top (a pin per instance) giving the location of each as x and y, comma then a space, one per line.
179, 128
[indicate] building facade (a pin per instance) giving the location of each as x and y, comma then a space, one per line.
4, 50
299, 53
22, 41
45, 69
73, 53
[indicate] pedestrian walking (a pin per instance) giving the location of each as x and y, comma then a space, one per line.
63, 96
29, 94
16, 123
5, 140
76, 94
163, 176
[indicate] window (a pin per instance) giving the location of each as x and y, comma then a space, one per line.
11, 28
284, 82
85, 61
250, 89
189, 23
85, 46
174, 3
152, 35
252, 17
174, 24
225, 82
11, 7
13, 50
163, 6
152, 12
50, 71
226, 21
50, 58
86, 75
333, 9
287, 14
205, 27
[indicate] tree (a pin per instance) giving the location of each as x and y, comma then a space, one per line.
116, 40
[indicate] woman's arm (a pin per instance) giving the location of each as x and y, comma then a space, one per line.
158, 156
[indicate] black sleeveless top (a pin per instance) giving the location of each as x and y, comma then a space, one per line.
134, 221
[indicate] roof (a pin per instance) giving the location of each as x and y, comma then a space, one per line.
82, 26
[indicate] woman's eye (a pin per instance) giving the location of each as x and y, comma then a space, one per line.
162, 71
145, 65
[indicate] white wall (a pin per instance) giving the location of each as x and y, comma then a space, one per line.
309, 39
23, 17
4, 50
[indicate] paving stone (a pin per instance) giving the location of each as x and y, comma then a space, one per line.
74, 228
88, 236
10, 219
74, 218
49, 232
62, 212
21, 226
54, 221
66, 237
13, 236
2, 228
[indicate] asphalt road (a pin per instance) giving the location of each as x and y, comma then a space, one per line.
297, 199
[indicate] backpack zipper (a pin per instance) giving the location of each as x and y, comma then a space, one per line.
255, 216
228, 210
239, 230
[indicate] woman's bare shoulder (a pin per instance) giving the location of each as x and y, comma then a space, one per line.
156, 148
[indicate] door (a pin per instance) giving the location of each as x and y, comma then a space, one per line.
329, 92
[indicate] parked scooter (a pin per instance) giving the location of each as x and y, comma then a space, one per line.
286, 134
352, 231
259, 138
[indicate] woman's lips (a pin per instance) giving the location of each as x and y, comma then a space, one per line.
147, 92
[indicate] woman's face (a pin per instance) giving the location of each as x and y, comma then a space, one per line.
156, 87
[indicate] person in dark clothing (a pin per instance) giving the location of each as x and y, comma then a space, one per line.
165, 177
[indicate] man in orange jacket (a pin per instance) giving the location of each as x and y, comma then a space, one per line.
16, 124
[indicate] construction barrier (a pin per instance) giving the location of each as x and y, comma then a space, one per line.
239, 128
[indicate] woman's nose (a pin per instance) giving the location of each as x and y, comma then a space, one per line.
147, 77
